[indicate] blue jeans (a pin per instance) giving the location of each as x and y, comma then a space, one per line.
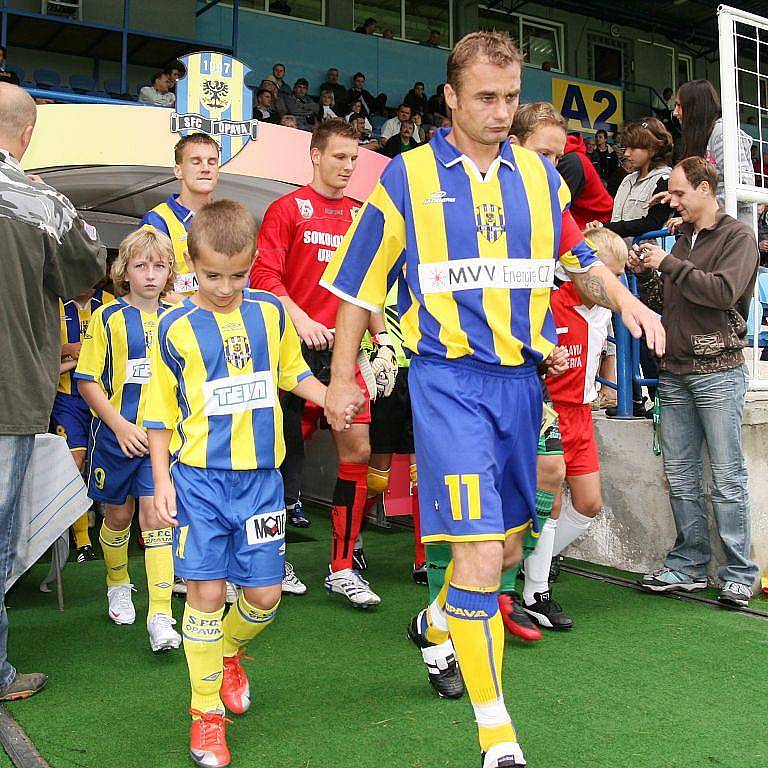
706, 406
15, 452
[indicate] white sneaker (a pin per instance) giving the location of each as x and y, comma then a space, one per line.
292, 584
121, 609
179, 586
507, 755
231, 597
162, 635
353, 586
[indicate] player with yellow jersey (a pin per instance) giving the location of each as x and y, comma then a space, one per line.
112, 373
216, 441
472, 228
196, 159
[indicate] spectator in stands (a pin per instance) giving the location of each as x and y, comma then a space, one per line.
368, 27
263, 108
388, 34
380, 106
278, 102
392, 126
175, 73
5, 75
326, 108
303, 106
356, 107
590, 146
589, 200
401, 142
278, 78
762, 234
357, 91
289, 121
49, 253
339, 92
546, 66
433, 41
364, 137
604, 157
704, 294
614, 180
663, 106
416, 99
159, 92
280, 6
418, 130
436, 104
430, 132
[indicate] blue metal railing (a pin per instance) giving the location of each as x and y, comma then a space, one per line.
628, 347
70, 97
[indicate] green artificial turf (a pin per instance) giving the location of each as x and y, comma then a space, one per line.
641, 682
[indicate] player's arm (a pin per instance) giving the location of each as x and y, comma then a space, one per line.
160, 456
67, 365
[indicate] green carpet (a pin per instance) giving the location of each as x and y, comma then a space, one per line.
641, 682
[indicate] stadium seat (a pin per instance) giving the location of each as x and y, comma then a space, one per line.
82, 83
47, 78
112, 88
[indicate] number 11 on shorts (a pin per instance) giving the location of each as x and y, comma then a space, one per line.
472, 485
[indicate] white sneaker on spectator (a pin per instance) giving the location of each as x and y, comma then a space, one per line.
121, 609
162, 635
353, 586
292, 584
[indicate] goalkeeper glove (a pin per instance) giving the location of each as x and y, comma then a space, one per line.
384, 364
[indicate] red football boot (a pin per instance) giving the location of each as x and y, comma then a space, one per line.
208, 739
235, 691
516, 620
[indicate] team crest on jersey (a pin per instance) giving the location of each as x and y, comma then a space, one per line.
354, 211
213, 98
149, 337
83, 328
490, 221
305, 207
237, 351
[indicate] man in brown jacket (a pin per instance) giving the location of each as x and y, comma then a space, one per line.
704, 288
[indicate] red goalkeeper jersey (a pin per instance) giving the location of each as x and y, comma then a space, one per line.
298, 236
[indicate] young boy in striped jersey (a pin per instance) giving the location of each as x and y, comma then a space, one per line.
71, 416
216, 441
112, 372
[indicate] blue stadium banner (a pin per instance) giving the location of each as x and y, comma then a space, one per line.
213, 98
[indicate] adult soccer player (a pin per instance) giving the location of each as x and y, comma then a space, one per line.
298, 236
196, 159
473, 227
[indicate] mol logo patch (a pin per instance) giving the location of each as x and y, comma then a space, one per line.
264, 528
236, 394
237, 351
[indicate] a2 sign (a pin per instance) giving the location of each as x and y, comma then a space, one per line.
588, 108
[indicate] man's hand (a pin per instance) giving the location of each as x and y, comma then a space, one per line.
636, 264
660, 198
314, 335
342, 399
71, 350
763, 245
165, 504
593, 225
557, 362
649, 255
640, 319
131, 438
673, 223
384, 365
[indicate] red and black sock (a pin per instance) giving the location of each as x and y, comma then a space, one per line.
349, 505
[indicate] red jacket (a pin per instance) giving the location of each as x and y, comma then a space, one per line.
590, 200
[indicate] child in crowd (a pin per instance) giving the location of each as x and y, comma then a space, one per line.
71, 416
215, 437
112, 372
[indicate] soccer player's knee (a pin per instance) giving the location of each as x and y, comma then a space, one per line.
513, 553
118, 518
590, 507
414, 475
377, 480
263, 598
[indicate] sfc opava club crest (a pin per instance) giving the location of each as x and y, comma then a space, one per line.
213, 98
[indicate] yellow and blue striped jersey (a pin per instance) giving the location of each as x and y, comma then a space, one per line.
74, 324
116, 352
475, 254
215, 378
173, 219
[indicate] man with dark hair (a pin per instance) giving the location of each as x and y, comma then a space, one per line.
339, 92
368, 27
159, 92
263, 107
416, 99
402, 141
298, 236
704, 292
357, 91
392, 126
603, 157
303, 106
175, 72
278, 78
278, 102
433, 41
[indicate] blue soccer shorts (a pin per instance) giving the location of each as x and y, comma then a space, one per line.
71, 418
476, 428
231, 525
113, 477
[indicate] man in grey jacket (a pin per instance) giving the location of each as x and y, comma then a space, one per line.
48, 253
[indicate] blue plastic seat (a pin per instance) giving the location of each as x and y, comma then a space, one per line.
82, 83
47, 78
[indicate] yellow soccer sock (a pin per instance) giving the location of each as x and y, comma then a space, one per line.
80, 531
158, 559
203, 637
437, 624
243, 622
477, 633
114, 545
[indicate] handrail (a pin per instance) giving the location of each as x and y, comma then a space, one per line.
70, 97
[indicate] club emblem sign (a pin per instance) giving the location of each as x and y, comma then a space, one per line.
213, 98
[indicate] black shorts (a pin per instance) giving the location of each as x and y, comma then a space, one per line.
391, 420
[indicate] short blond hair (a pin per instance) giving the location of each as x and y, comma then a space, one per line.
531, 117
146, 240
497, 48
608, 243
